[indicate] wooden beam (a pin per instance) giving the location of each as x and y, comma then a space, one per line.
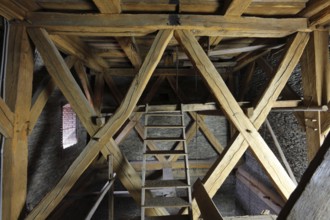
108, 6
313, 7
235, 8
101, 139
235, 114
63, 78
129, 24
315, 68
43, 92
208, 209
81, 72
98, 92
6, 120
18, 93
228, 159
199, 120
74, 46
130, 48
11, 10
321, 19
245, 82
310, 199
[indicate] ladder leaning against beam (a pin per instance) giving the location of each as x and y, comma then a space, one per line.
167, 121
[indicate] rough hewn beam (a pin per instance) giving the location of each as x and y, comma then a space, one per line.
63, 78
235, 8
128, 24
6, 120
18, 86
235, 113
315, 70
101, 139
228, 159
43, 92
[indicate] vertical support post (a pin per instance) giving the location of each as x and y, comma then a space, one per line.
315, 68
18, 95
110, 177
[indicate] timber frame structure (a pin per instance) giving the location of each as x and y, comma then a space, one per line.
163, 40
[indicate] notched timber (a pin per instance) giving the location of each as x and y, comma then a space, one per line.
121, 24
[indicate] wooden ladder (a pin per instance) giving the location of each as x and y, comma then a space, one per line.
183, 186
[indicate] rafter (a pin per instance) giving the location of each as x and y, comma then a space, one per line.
131, 24
41, 95
101, 139
81, 72
98, 92
226, 162
235, 8
72, 45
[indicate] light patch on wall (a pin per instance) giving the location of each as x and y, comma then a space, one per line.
69, 128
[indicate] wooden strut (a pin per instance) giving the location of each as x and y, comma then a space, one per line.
102, 138
223, 166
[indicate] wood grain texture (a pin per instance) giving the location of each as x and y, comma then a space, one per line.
233, 111
18, 93
110, 24
102, 139
231, 155
6, 120
315, 70
307, 202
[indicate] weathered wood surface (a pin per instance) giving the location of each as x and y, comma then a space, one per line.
227, 161
43, 92
130, 24
311, 200
233, 111
257, 7
6, 120
18, 93
101, 139
315, 70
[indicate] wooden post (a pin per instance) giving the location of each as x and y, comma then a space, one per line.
315, 70
18, 93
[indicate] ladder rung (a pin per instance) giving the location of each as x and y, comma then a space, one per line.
164, 139
169, 217
163, 115
165, 126
153, 184
165, 152
166, 202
